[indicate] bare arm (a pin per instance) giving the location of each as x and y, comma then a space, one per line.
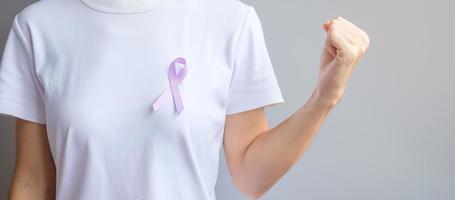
258, 156
34, 174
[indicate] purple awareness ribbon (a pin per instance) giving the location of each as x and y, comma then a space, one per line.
174, 80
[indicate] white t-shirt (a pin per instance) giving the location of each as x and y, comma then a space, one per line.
91, 74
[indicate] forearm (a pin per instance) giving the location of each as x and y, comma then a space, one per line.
31, 189
274, 152
34, 173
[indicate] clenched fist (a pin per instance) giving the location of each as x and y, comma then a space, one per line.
343, 48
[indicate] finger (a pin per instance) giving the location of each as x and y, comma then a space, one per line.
354, 30
328, 42
348, 33
342, 46
358, 35
341, 23
337, 39
353, 38
349, 23
326, 25
329, 46
345, 32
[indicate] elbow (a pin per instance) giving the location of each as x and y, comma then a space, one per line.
252, 193
30, 188
250, 189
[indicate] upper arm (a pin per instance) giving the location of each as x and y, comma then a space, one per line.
253, 87
22, 96
34, 172
241, 129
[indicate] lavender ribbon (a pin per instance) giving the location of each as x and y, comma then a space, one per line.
174, 80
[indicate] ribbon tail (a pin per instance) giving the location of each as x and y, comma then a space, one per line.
159, 101
177, 100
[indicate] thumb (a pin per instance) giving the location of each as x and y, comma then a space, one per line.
328, 44
326, 25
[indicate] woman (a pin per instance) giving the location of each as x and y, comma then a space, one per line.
134, 99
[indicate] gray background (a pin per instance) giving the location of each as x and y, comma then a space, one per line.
391, 137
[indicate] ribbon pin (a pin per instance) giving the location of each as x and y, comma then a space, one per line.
174, 80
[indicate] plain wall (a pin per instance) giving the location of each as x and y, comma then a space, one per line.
392, 135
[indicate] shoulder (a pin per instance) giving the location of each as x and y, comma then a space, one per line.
224, 14
227, 6
235, 9
39, 10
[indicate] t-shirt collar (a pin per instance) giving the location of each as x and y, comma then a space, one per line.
124, 6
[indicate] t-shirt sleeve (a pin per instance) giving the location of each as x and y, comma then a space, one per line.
253, 82
20, 92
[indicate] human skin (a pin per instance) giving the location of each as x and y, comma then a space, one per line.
34, 173
258, 156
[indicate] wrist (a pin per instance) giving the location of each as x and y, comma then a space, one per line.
319, 99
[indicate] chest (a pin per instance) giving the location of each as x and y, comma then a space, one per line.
108, 81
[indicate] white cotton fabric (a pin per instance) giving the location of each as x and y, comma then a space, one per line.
91, 73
